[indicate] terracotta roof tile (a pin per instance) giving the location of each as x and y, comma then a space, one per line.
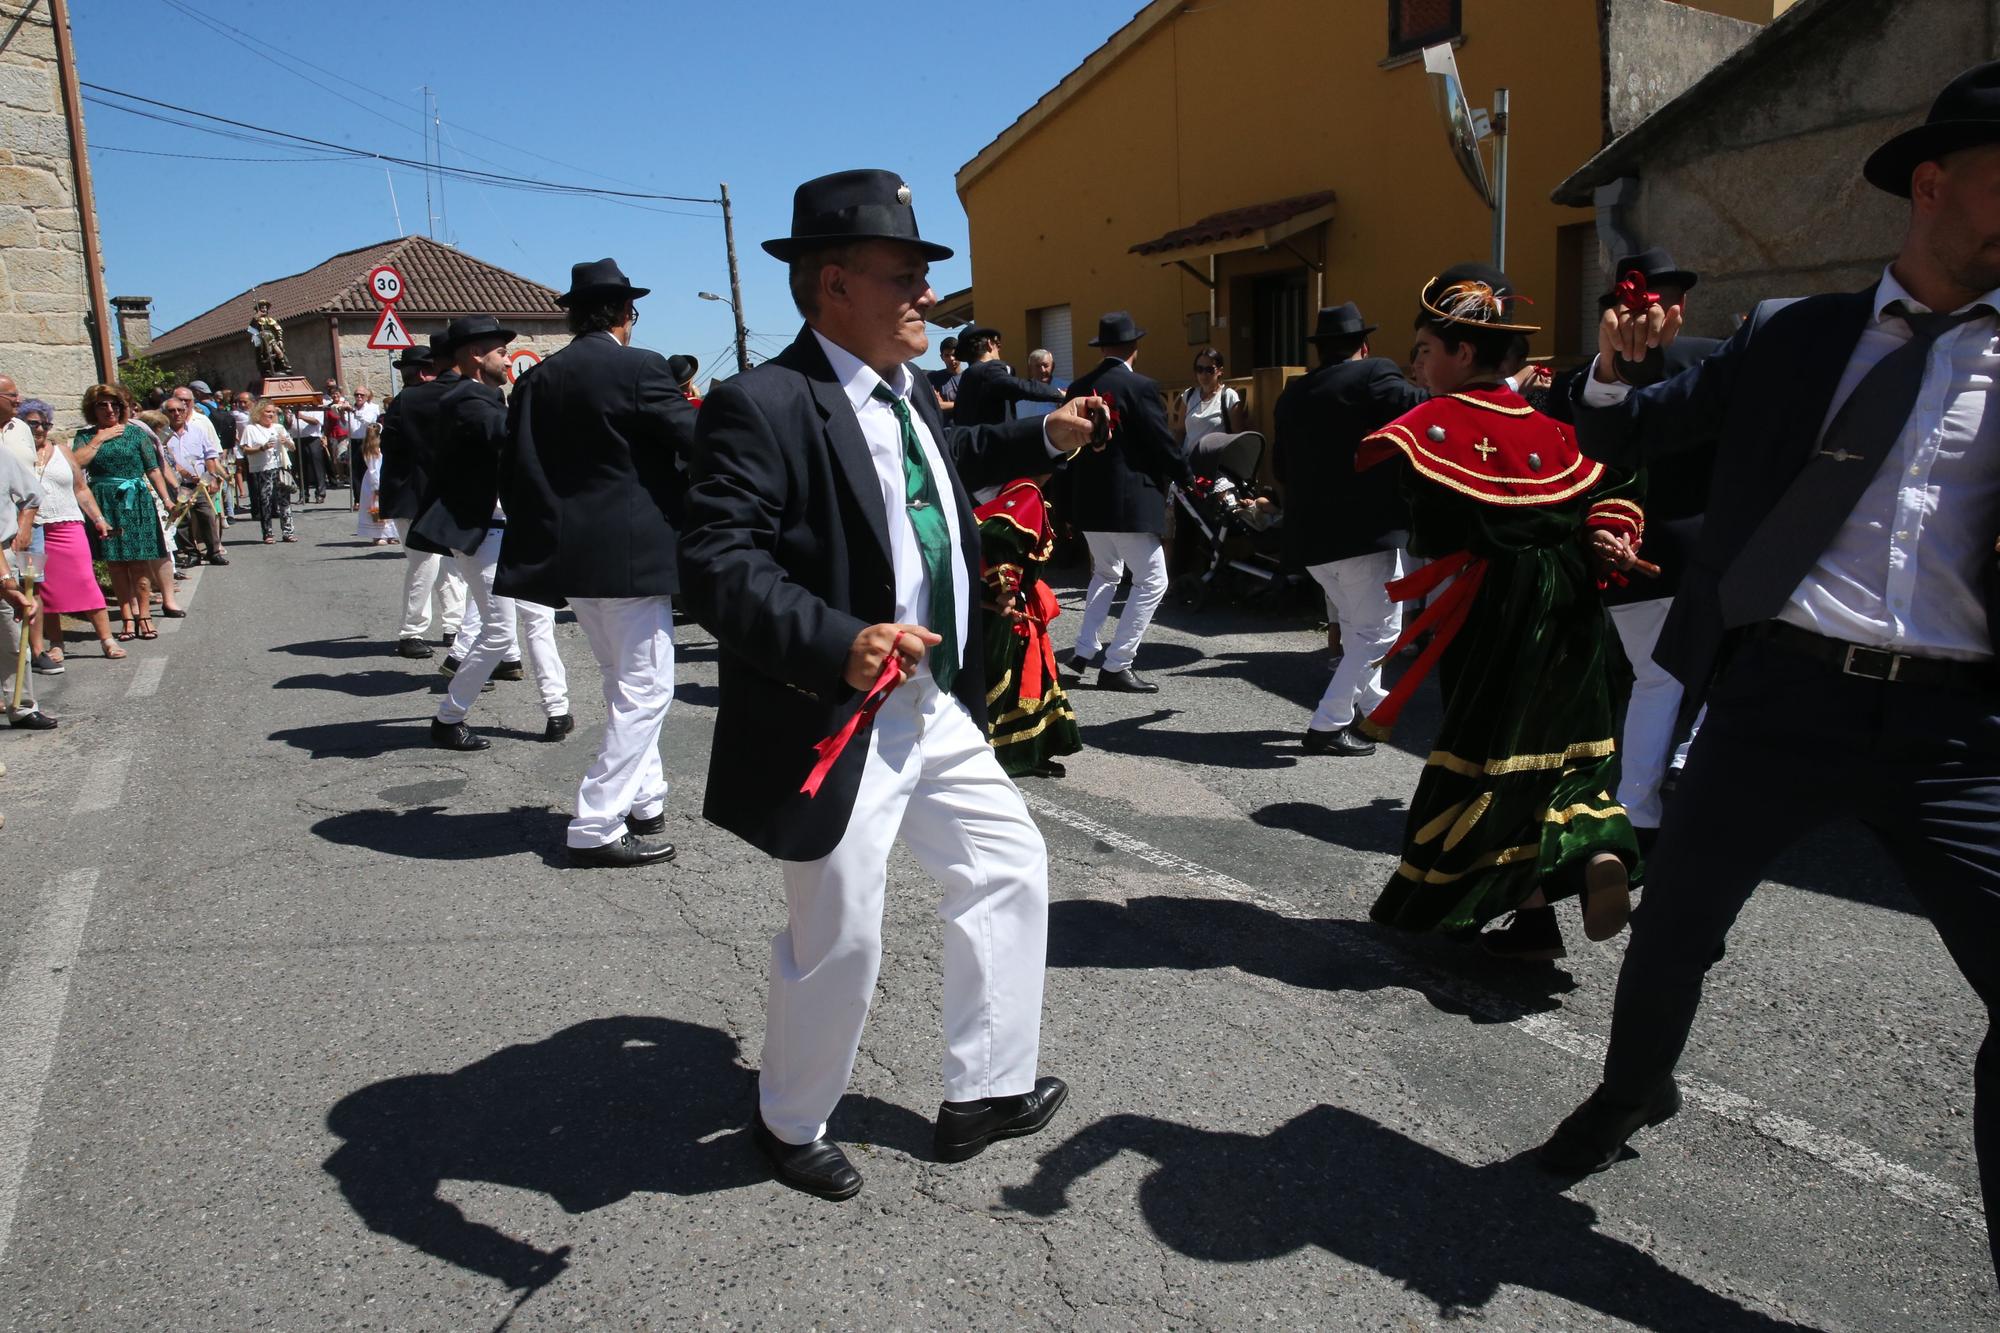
438, 281
1235, 222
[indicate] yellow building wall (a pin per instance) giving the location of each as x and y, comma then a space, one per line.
1236, 104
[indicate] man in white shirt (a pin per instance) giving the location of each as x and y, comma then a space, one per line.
195, 461
1841, 609
20, 497
14, 434
364, 413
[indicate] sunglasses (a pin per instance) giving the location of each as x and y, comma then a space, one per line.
1205, 370
33, 424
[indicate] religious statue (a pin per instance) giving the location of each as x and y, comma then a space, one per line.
267, 336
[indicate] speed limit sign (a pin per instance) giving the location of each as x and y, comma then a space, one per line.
518, 362
385, 284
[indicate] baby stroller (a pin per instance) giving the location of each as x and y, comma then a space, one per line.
1230, 522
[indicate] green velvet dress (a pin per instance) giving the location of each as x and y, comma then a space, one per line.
118, 484
1028, 714
1517, 794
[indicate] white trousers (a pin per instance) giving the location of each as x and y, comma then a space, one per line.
1357, 600
932, 781
1110, 553
633, 641
424, 574
1648, 746
534, 641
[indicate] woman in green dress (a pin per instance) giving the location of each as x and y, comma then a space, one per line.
1029, 718
1514, 810
124, 466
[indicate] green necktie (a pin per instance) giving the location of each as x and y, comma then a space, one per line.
927, 520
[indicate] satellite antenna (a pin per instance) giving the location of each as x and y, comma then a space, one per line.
1465, 127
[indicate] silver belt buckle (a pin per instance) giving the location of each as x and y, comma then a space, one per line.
1871, 663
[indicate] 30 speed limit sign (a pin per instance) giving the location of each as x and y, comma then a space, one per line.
385, 284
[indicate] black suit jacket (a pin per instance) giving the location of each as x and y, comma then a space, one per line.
588, 475
1333, 512
986, 389
786, 553
412, 429
1674, 490
466, 470
1759, 401
1122, 487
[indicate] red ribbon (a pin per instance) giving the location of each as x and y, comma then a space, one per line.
1633, 295
830, 748
1444, 617
1039, 666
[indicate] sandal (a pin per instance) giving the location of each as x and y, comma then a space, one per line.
290, 538
127, 634
111, 650
146, 630
270, 541
174, 612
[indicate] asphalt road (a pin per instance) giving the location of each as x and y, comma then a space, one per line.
306, 1025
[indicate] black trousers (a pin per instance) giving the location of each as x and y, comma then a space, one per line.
312, 467
1788, 745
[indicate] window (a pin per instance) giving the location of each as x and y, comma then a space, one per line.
1049, 327
1415, 24
1278, 309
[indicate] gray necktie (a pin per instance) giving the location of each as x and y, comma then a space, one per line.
1785, 546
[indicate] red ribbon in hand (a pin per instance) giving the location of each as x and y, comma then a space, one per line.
1633, 295
830, 748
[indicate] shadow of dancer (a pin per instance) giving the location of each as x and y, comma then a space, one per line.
433, 833
588, 1116
1355, 1188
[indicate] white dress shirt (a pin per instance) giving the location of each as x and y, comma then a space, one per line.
885, 447
1905, 570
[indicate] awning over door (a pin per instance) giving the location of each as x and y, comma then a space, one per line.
1257, 227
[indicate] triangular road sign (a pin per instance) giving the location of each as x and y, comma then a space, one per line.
390, 334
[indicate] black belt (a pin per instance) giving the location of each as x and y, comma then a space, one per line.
1855, 659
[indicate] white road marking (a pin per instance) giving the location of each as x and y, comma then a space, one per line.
105, 786
1844, 1155
146, 678
31, 1011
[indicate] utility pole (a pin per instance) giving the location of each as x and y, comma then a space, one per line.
430, 218
735, 286
1502, 104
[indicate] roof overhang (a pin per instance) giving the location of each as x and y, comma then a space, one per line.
952, 309
1268, 226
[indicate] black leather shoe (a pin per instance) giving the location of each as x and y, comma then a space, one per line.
35, 721
1127, 681
1533, 936
559, 728
1341, 740
448, 638
1593, 1136
415, 649
218, 560
509, 671
1078, 663
450, 666
819, 1167
627, 851
644, 827
965, 1128
456, 736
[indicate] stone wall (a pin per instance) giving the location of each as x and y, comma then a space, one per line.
1655, 50
44, 293
1761, 192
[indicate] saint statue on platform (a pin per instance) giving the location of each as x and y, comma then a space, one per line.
267, 336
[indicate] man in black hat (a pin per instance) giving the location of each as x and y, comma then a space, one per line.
411, 432
1118, 500
1344, 528
832, 551
1841, 611
684, 368
988, 388
1675, 494
466, 518
593, 499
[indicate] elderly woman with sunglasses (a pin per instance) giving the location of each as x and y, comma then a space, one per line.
69, 585
125, 480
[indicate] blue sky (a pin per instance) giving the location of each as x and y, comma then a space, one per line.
653, 95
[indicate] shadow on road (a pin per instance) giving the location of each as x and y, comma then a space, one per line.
1196, 934
432, 833
353, 646
1216, 749
1375, 827
377, 684
360, 740
589, 1116
1358, 1189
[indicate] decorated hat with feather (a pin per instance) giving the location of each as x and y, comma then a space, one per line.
1475, 295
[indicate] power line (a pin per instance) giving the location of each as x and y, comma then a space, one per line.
529, 183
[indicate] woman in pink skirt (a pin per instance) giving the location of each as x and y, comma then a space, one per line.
68, 586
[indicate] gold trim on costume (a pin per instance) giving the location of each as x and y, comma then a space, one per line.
1467, 820
1594, 811
1026, 531
1400, 437
1058, 713
1521, 763
1006, 679
1527, 851
1522, 411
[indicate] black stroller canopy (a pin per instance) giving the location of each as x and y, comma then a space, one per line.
1238, 453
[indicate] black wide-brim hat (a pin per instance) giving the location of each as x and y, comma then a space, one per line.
682, 367
850, 206
418, 355
1117, 327
1475, 296
1659, 268
1340, 321
1965, 115
598, 278
471, 328
440, 350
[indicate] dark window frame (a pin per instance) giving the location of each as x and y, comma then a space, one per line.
1451, 31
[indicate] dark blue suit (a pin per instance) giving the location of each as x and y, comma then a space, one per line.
1791, 742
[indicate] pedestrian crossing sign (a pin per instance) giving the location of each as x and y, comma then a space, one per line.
391, 334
